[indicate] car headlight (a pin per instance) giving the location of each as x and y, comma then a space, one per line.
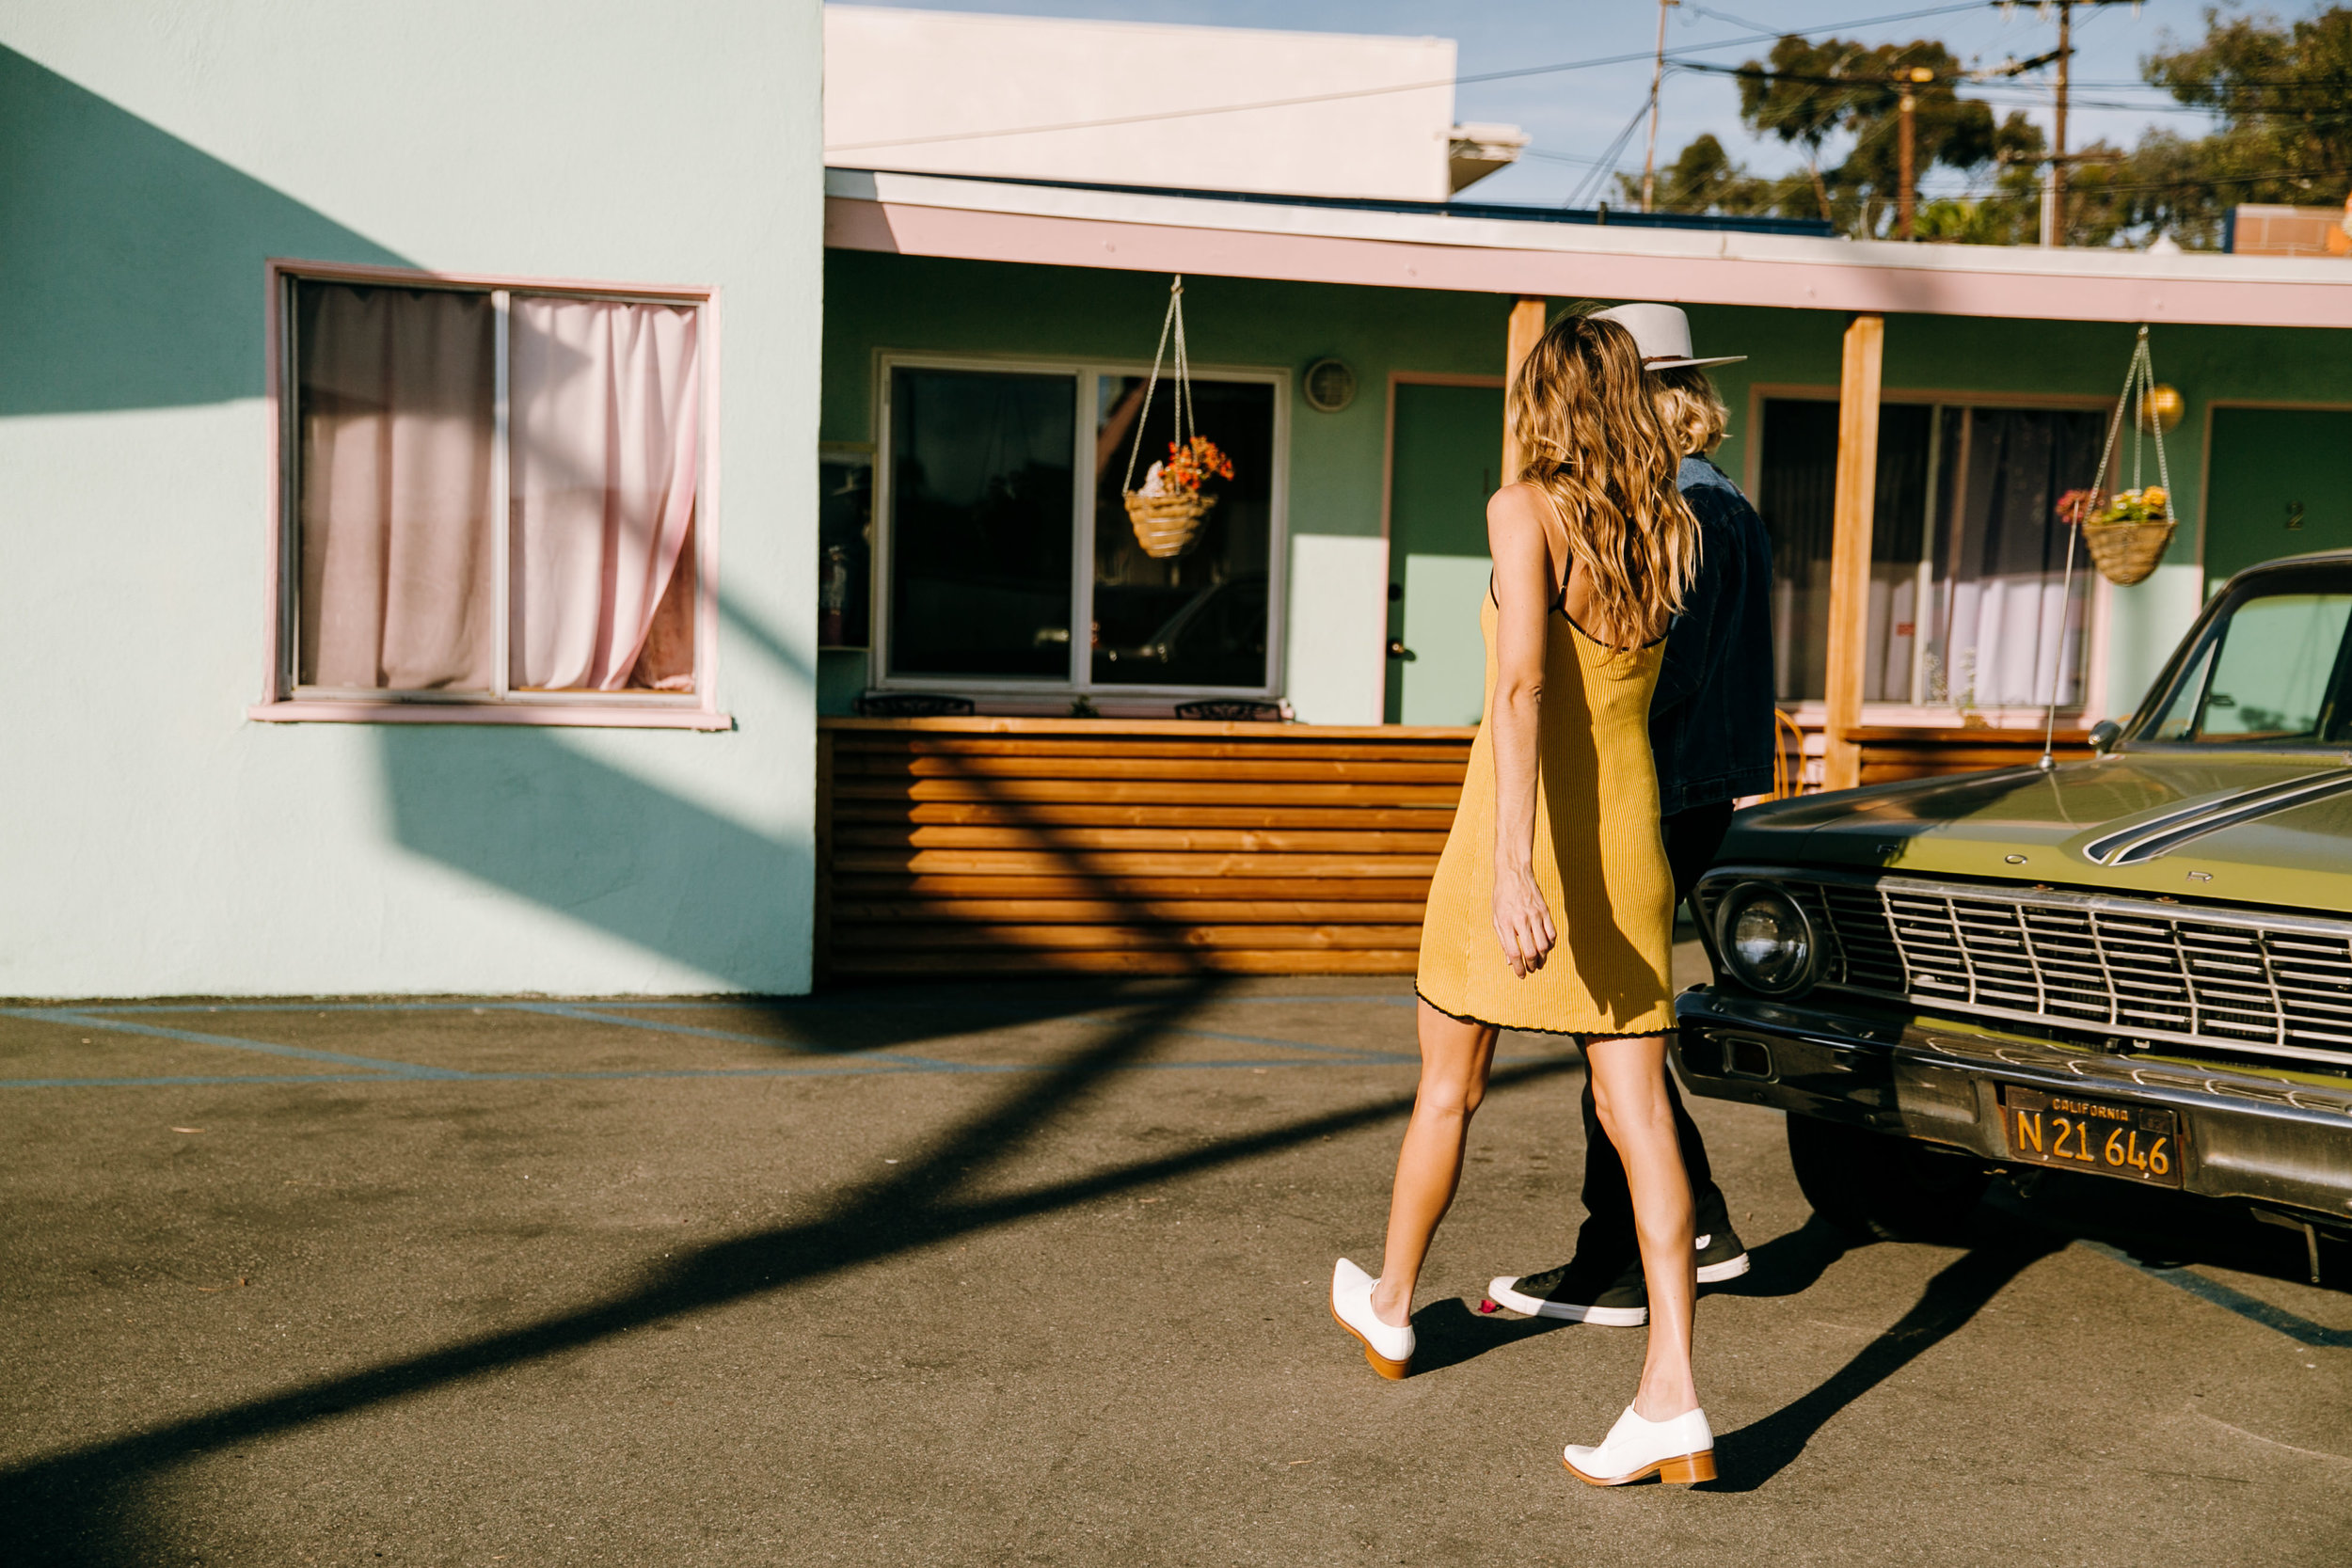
1765, 939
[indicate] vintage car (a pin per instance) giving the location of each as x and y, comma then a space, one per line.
2138, 965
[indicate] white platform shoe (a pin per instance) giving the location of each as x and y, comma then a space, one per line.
1387, 1346
1679, 1452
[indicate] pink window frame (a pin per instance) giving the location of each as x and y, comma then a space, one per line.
281, 703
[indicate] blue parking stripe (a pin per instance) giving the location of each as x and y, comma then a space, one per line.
590, 1014
2301, 1330
93, 1020
884, 1069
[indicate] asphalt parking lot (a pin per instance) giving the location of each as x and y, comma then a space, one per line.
1035, 1274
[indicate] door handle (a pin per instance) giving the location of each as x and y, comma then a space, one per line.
1398, 650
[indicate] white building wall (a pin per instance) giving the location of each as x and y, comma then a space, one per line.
894, 78
156, 841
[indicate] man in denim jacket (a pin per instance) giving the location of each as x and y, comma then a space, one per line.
1711, 731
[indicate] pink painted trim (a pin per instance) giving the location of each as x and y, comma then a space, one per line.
906, 229
706, 522
276, 696
345, 271
273, 603
614, 716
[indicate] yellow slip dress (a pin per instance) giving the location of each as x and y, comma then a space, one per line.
1599, 859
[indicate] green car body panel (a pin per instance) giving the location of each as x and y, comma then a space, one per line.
2116, 855
2031, 826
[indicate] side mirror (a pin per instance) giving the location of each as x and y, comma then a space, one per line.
2104, 735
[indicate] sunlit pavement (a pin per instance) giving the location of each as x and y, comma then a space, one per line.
1034, 1274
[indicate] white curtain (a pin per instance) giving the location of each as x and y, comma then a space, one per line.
604, 402
394, 392
2011, 635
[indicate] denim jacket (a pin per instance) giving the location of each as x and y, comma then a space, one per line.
1710, 724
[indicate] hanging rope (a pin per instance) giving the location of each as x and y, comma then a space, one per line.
2140, 379
1171, 324
2139, 387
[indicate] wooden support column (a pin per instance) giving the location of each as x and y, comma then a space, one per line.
1527, 326
1850, 546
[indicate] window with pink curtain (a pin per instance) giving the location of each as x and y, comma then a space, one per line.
401, 539
395, 392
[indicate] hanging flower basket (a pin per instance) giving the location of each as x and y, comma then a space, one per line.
1167, 510
2127, 532
1165, 526
2128, 535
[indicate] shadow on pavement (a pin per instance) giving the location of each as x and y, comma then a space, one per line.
1761, 1449
94, 1505
1787, 1265
1448, 1333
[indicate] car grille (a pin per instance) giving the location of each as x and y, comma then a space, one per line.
2267, 984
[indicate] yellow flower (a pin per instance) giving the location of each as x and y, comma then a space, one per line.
2153, 495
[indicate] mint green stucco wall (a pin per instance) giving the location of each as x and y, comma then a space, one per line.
156, 839
916, 305
877, 302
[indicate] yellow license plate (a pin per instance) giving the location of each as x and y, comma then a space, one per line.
2098, 1136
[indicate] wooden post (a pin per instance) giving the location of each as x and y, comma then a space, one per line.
1527, 326
1850, 544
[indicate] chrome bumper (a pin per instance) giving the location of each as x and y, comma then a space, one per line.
2242, 1134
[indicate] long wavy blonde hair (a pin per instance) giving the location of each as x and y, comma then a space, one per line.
1589, 436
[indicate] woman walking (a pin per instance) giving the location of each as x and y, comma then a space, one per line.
1551, 908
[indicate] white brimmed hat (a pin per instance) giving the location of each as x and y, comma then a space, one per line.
1663, 333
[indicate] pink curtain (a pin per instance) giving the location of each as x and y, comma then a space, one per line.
398, 580
603, 414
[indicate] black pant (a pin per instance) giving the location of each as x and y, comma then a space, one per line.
1692, 839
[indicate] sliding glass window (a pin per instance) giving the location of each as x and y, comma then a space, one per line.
1968, 603
1011, 564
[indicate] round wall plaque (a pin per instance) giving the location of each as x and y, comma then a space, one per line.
1330, 386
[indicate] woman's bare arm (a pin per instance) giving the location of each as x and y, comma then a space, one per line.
1524, 589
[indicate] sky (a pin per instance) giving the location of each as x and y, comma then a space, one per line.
1574, 115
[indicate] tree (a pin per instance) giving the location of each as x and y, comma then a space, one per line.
2283, 95
1804, 94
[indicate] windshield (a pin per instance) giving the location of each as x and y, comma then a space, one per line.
2268, 669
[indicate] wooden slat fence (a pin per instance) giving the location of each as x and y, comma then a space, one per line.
1889, 754
1050, 846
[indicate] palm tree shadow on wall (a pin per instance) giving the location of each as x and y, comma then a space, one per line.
132, 261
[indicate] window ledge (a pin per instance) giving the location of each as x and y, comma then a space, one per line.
617, 716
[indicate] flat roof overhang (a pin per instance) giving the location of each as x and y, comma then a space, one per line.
1064, 226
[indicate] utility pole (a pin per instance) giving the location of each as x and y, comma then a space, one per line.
1657, 75
1906, 189
2053, 184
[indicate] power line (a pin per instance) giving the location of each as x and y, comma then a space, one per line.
1374, 92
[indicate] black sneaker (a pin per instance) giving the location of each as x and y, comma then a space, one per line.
1579, 1292
1722, 1255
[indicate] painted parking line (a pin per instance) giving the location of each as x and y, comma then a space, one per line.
381, 1070
2301, 1330
594, 1075
591, 1015
92, 1019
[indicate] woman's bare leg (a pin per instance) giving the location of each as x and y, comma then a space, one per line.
1455, 1059
1629, 1088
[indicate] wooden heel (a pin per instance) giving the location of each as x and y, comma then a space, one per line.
1395, 1372
1690, 1468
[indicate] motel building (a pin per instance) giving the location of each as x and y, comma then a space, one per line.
908, 696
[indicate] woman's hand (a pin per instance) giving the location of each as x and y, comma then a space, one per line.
1522, 924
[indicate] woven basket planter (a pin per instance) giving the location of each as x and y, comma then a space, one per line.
2126, 553
1167, 526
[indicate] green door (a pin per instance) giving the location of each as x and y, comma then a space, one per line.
2280, 485
1447, 447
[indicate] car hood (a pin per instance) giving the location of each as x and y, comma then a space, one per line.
2240, 827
